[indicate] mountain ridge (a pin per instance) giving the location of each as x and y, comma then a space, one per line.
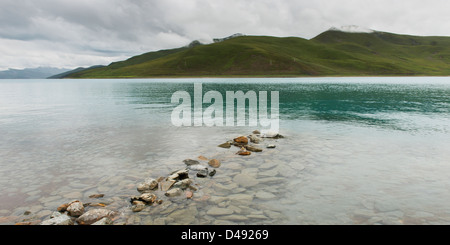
331, 53
31, 73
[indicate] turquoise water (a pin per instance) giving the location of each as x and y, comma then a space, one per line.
357, 151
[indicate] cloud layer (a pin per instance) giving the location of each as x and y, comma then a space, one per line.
67, 33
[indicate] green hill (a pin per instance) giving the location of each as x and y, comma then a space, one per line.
332, 53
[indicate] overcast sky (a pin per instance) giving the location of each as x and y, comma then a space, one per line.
73, 33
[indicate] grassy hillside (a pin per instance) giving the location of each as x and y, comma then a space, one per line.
332, 53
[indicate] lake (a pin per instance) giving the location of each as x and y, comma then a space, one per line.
355, 151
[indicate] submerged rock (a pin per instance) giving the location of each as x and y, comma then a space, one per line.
190, 162
94, 215
243, 152
174, 192
165, 185
138, 206
216, 211
197, 167
96, 195
255, 139
214, 163
104, 221
253, 148
203, 158
202, 173
225, 145
58, 218
189, 194
183, 184
245, 180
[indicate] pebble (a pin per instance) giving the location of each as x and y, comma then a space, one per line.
94, 215
96, 195
202, 173
183, 184
254, 139
225, 145
214, 163
241, 140
189, 194
75, 208
58, 218
147, 185
104, 221
253, 148
203, 158
174, 192
138, 206
166, 185
212, 173
190, 162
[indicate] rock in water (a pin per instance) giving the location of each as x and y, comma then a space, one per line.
104, 221
214, 163
241, 140
203, 158
94, 215
190, 162
165, 185
148, 198
253, 148
243, 152
189, 194
271, 134
254, 139
212, 173
174, 192
271, 146
225, 145
96, 195
180, 174
147, 185
58, 219
183, 184
63, 207
202, 173
256, 132
197, 167
138, 206
75, 208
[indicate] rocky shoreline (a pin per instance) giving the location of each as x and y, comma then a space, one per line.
181, 184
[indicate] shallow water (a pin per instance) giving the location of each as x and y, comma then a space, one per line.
357, 151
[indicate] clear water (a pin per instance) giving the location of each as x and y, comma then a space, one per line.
357, 151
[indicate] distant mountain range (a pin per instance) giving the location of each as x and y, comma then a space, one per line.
348, 51
31, 73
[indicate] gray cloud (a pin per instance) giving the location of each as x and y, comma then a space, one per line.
67, 33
